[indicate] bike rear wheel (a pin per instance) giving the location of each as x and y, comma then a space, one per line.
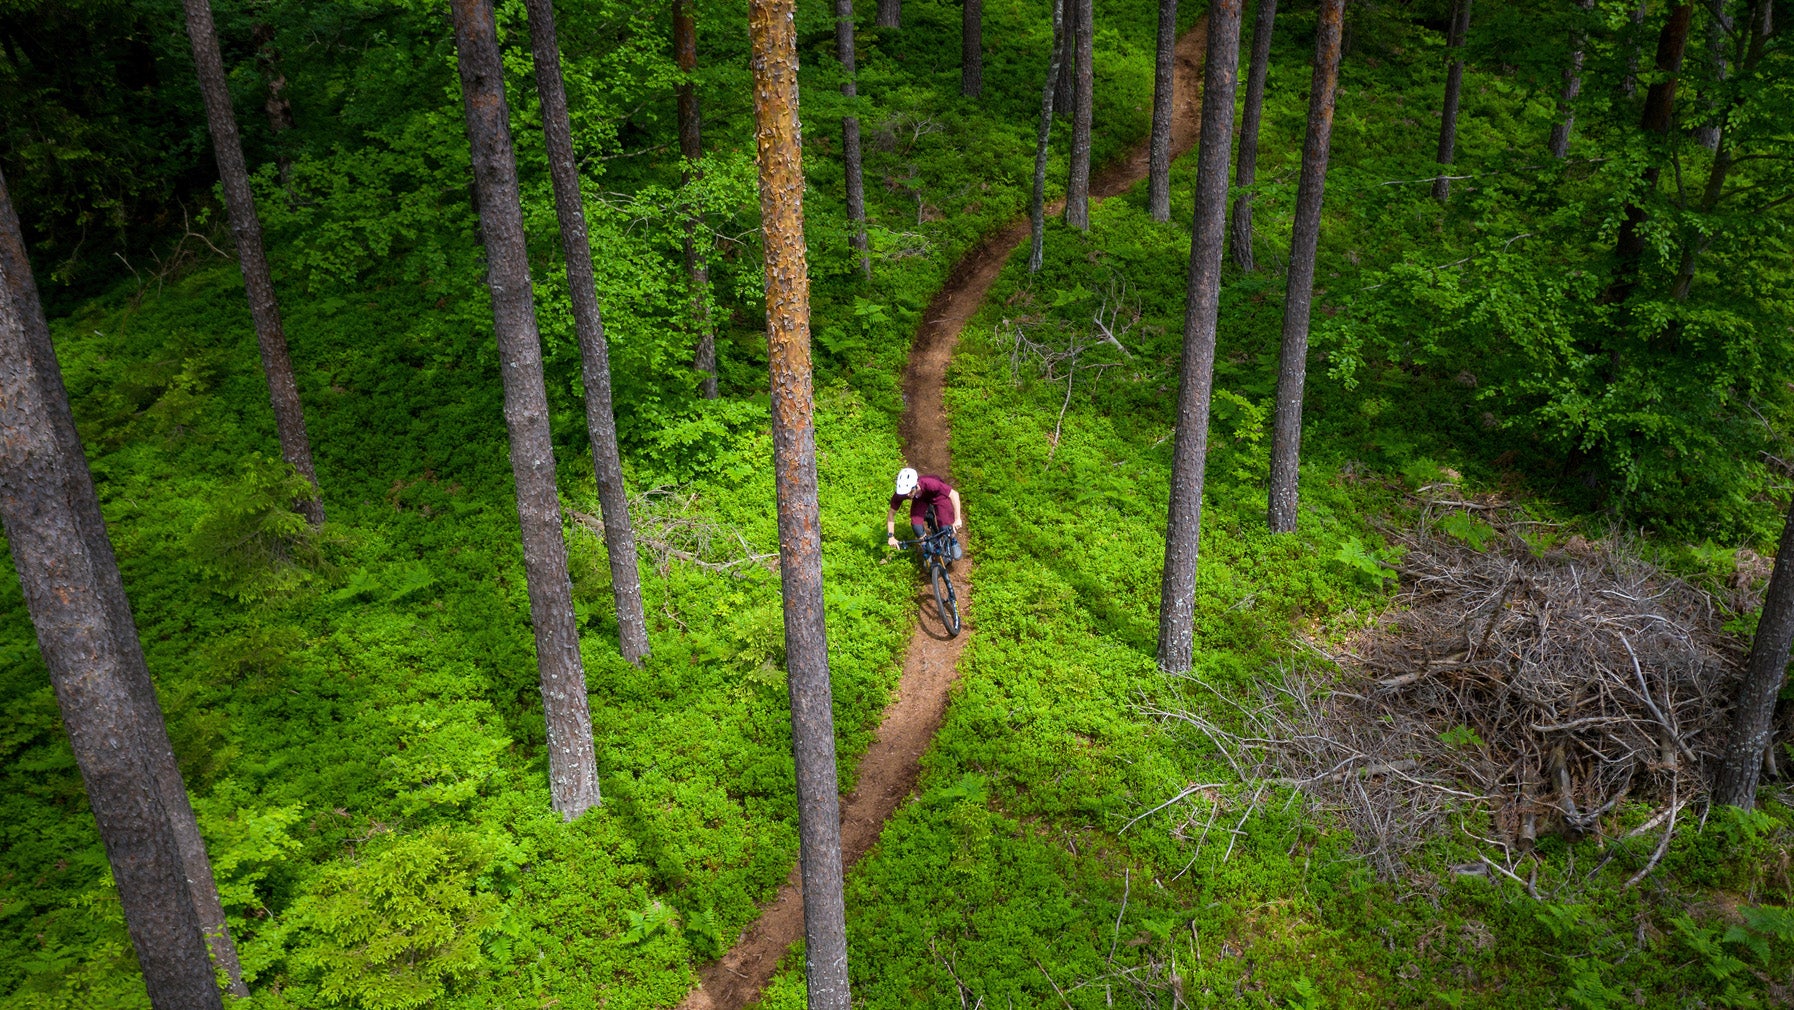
944, 597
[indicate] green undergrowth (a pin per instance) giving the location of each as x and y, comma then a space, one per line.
1032, 870
356, 709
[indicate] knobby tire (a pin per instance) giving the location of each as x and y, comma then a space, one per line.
944, 599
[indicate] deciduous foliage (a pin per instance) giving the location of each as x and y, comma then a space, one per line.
69, 590
780, 150
572, 768
1305, 234
1183, 525
246, 226
588, 325
1246, 174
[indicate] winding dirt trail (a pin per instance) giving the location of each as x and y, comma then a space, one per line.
888, 771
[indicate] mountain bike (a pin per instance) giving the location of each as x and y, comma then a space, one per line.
937, 555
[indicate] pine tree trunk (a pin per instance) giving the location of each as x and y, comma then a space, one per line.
1657, 119
1158, 150
69, 592
1065, 95
1765, 672
283, 391
850, 137
1177, 592
1566, 103
890, 13
1037, 202
1077, 188
572, 768
1246, 172
774, 63
1454, 83
588, 324
691, 148
971, 48
15, 267
1305, 233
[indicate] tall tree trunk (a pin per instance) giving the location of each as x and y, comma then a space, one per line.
850, 137
691, 148
1065, 95
69, 590
1566, 103
1037, 204
1246, 172
971, 48
1749, 54
1077, 188
1629, 83
1719, 27
774, 62
1765, 672
1454, 83
1158, 149
1305, 233
1657, 119
171, 789
289, 418
890, 13
588, 324
572, 767
1183, 525
278, 107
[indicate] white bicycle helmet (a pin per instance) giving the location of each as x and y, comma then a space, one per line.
906, 480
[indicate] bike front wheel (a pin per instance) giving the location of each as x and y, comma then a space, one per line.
944, 598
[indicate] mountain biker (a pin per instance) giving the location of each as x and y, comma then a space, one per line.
933, 504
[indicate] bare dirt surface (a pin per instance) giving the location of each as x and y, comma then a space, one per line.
888, 771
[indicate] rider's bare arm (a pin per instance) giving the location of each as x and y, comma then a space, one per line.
959, 511
891, 527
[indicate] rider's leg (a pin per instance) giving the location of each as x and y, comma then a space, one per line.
919, 531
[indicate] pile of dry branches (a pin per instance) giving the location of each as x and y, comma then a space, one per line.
1544, 681
670, 527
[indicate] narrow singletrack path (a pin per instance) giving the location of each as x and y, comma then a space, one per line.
888, 771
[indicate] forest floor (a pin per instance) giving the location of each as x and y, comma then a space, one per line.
888, 772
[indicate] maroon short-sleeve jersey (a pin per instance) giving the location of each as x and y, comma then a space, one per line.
934, 491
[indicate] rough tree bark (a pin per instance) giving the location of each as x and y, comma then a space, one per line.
1657, 118
1177, 590
246, 227
1566, 102
1077, 187
971, 48
1305, 232
691, 148
1065, 94
1246, 172
1037, 203
1454, 84
774, 62
1735, 783
19, 285
588, 325
69, 589
1158, 149
890, 14
850, 137
572, 767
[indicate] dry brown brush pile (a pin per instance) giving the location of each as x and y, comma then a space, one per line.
1545, 679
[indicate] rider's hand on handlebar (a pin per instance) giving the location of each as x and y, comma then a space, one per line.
891, 540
